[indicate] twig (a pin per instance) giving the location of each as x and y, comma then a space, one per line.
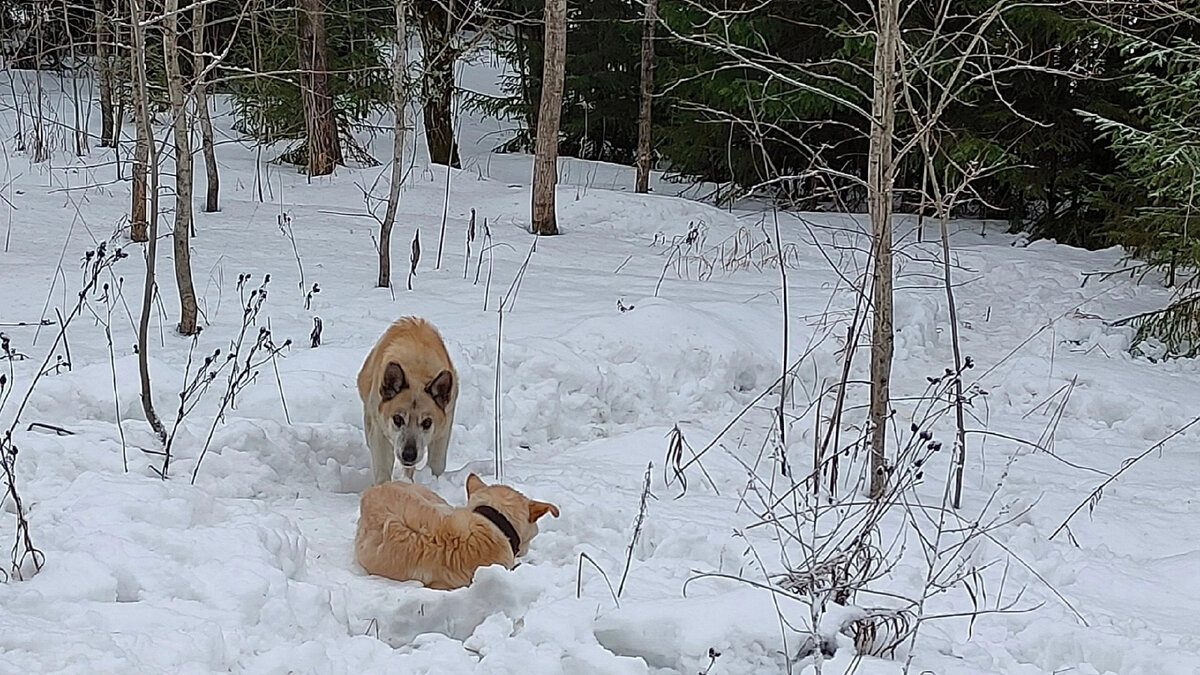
1094, 496
579, 578
637, 528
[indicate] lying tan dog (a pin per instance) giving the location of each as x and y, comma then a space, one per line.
408, 533
408, 388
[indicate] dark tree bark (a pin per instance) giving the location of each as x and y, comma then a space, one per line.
105, 76
643, 146
212, 200
323, 145
438, 25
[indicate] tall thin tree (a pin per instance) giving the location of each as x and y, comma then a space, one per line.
141, 113
545, 163
104, 74
212, 201
137, 32
183, 170
647, 96
881, 179
399, 104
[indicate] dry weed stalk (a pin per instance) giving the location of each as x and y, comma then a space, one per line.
243, 362
96, 263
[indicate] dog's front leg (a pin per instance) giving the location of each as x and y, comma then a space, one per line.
383, 457
438, 447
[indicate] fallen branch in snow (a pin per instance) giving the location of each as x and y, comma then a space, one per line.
1095, 495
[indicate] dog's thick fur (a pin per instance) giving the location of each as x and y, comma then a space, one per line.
408, 388
408, 533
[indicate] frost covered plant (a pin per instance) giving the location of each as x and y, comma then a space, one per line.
836, 545
689, 256
243, 362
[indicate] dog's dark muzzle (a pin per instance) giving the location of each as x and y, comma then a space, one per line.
408, 456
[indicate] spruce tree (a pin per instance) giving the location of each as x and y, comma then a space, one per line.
1152, 200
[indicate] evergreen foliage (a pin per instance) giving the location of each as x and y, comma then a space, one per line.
268, 103
1151, 201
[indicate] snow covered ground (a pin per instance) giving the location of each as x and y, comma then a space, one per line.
251, 568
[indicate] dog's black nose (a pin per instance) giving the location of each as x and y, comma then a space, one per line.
409, 454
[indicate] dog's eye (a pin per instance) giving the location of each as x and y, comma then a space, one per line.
426, 424
398, 419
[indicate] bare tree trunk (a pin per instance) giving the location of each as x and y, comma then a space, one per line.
545, 162
141, 113
183, 171
104, 76
140, 96
435, 19
213, 198
881, 174
79, 129
399, 101
324, 146
643, 146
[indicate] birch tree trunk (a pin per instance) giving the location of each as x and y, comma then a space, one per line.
212, 202
545, 163
643, 146
399, 101
183, 171
881, 175
324, 146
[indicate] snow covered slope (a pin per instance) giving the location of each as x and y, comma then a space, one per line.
251, 568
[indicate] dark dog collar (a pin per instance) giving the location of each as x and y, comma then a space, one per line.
501, 524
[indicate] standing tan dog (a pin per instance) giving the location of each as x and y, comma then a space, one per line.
408, 533
408, 387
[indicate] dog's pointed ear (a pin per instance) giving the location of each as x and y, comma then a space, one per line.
394, 381
439, 388
474, 484
539, 509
